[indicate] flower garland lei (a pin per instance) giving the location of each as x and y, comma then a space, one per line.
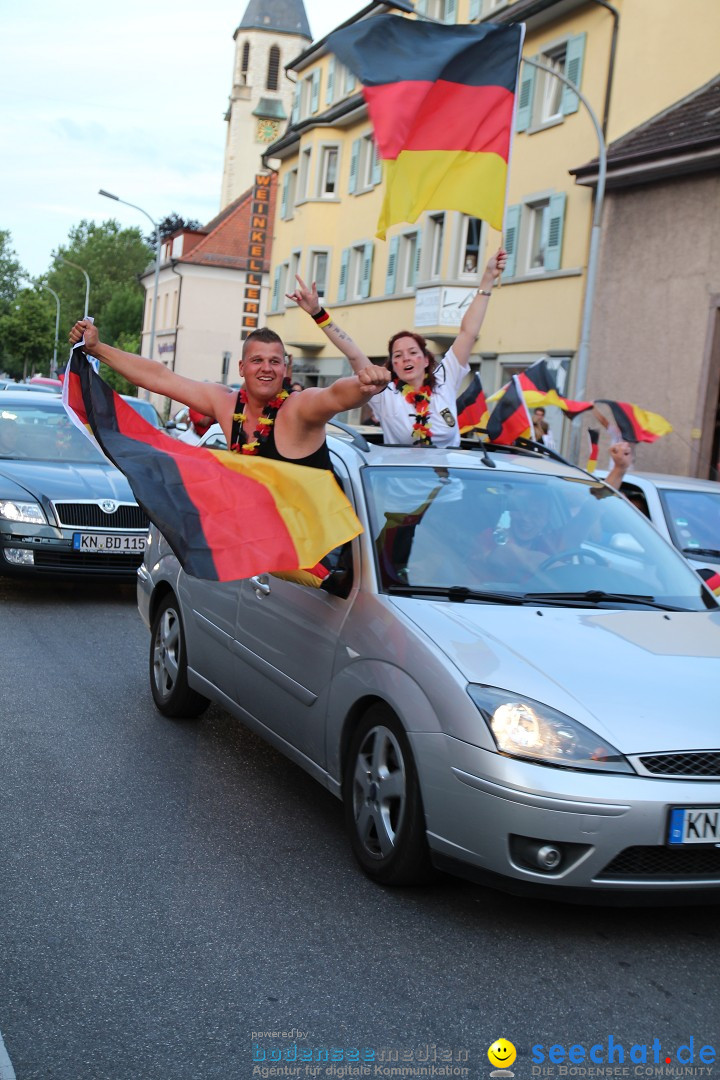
265, 421
419, 402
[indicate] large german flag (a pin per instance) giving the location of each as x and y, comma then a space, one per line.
441, 100
226, 516
471, 407
510, 418
636, 424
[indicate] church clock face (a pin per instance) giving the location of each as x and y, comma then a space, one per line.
267, 130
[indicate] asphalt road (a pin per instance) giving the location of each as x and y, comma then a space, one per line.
172, 894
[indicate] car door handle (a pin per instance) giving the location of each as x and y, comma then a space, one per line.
261, 585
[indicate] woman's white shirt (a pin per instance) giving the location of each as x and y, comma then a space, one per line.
397, 417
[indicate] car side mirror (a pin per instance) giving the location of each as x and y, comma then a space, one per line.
338, 582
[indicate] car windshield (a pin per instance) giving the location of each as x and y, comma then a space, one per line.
519, 536
693, 518
42, 431
146, 409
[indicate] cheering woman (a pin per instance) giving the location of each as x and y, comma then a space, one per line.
419, 405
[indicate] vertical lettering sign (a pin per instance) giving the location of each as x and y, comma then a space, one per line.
259, 226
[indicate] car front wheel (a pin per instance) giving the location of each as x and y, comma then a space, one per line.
383, 807
168, 665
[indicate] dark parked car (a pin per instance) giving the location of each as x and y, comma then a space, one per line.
64, 509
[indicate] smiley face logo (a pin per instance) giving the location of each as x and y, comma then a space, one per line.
501, 1054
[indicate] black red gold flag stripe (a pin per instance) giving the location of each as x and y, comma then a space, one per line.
441, 99
472, 408
636, 424
226, 516
510, 418
593, 447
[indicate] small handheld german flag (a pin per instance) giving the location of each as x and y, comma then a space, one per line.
593, 447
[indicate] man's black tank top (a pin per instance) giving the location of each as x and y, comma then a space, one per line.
319, 459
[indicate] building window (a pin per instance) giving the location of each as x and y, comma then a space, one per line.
443, 10
304, 174
365, 167
408, 259
309, 95
329, 157
471, 244
355, 272
544, 99
279, 286
548, 88
436, 233
244, 63
533, 235
273, 71
289, 192
319, 272
293, 267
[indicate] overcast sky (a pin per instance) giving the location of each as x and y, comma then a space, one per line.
129, 97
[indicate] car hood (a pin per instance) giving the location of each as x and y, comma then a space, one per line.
646, 680
63, 481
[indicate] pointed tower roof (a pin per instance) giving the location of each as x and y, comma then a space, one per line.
280, 16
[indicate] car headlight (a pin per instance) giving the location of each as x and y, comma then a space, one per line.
29, 512
524, 728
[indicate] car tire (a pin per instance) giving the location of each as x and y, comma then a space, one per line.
383, 807
168, 665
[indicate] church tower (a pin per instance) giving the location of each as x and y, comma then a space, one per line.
271, 34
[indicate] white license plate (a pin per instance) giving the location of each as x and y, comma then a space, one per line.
699, 825
118, 544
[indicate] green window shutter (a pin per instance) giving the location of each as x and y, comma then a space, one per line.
512, 225
556, 213
354, 157
421, 7
329, 89
573, 72
296, 105
342, 284
315, 91
475, 9
418, 253
377, 165
276, 289
450, 11
349, 81
391, 275
366, 269
523, 113
283, 204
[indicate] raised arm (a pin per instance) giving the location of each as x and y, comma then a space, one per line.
306, 297
473, 318
621, 454
208, 398
316, 405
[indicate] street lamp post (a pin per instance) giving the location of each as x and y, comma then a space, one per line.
153, 319
53, 369
87, 282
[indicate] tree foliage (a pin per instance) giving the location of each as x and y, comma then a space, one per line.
10, 271
27, 332
170, 224
113, 258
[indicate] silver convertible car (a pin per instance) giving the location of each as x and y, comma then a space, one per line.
509, 675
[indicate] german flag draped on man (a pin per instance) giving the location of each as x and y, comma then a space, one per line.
226, 516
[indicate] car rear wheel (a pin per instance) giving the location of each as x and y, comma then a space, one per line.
168, 665
383, 807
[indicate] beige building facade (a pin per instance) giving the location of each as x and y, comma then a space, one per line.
630, 59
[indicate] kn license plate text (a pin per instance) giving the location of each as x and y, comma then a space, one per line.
695, 825
119, 544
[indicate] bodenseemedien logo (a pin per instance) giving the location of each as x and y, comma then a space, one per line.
502, 1054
